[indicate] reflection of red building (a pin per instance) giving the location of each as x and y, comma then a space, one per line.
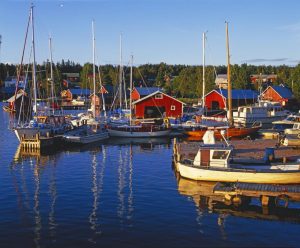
157, 105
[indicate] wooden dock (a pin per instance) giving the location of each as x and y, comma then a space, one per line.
266, 193
37, 142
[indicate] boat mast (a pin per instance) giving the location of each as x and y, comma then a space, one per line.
94, 71
131, 86
34, 65
120, 73
103, 99
51, 73
229, 112
203, 76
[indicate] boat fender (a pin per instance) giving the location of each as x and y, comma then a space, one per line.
167, 122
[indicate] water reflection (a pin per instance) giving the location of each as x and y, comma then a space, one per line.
26, 169
206, 200
97, 188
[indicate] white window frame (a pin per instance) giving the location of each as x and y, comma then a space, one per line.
159, 96
173, 107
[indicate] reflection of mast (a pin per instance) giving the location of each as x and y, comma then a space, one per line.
121, 186
53, 195
130, 194
125, 192
96, 189
36, 208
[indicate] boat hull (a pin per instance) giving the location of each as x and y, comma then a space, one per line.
138, 134
85, 139
230, 132
247, 176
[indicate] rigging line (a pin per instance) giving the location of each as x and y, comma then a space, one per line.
25, 84
22, 58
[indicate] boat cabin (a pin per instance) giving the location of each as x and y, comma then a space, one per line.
216, 156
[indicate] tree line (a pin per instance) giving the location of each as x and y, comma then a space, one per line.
182, 81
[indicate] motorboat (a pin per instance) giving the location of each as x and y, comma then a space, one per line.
214, 162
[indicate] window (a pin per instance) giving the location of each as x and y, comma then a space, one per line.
173, 107
220, 154
158, 96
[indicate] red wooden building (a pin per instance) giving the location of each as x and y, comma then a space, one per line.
278, 93
217, 99
140, 92
157, 105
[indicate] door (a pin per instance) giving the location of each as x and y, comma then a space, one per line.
154, 112
205, 157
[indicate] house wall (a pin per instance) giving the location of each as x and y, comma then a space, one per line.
214, 97
135, 95
165, 102
271, 95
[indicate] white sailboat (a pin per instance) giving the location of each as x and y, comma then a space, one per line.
93, 130
137, 131
46, 124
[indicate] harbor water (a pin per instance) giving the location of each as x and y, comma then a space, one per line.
121, 193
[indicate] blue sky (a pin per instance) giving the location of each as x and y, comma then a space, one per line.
154, 31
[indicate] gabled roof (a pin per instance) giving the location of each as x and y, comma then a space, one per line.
237, 94
109, 88
80, 91
283, 91
144, 91
154, 93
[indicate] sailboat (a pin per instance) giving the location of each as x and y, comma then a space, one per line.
42, 125
137, 131
93, 130
230, 130
120, 116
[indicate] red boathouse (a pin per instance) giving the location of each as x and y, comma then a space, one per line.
157, 105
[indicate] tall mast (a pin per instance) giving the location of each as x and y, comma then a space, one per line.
120, 72
229, 113
94, 71
203, 76
34, 65
51, 73
131, 86
103, 100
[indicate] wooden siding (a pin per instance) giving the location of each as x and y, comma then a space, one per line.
165, 102
135, 95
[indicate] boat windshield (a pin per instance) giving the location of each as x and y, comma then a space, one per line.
220, 155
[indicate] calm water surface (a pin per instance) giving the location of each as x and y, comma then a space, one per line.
120, 194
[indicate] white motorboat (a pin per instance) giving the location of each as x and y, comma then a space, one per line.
264, 112
213, 162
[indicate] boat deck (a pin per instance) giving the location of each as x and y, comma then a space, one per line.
243, 149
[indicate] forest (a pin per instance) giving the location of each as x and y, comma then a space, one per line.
181, 81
